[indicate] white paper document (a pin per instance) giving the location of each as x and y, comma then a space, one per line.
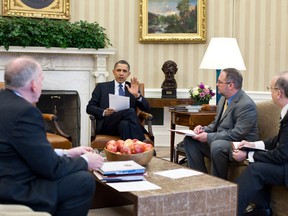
185, 132
235, 145
178, 173
133, 186
118, 103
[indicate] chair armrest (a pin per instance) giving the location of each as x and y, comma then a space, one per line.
54, 119
146, 118
93, 127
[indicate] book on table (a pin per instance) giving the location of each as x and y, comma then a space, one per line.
120, 171
121, 168
119, 178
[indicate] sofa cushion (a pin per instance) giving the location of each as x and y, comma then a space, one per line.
268, 119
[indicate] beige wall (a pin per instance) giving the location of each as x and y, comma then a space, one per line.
259, 26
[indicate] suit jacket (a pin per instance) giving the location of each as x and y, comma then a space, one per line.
100, 101
239, 122
278, 148
29, 165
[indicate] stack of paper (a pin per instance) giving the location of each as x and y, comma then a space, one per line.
117, 171
185, 132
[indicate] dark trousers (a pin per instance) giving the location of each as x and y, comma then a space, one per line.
219, 151
254, 182
75, 194
124, 123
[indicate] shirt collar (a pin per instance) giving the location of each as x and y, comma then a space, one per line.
284, 111
17, 93
116, 84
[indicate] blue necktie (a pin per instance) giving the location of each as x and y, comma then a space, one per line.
121, 91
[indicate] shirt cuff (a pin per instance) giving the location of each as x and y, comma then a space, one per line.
59, 152
258, 144
85, 157
250, 156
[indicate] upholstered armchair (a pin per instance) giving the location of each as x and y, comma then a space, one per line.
55, 135
99, 141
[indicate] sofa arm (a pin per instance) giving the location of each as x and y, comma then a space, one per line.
19, 210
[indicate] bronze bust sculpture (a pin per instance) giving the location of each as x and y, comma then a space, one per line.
169, 85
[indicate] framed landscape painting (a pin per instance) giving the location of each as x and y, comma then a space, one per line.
174, 21
54, 9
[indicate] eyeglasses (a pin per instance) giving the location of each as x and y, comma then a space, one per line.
221, 82
270, 88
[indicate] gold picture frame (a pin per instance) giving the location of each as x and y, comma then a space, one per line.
53, 9
159, 24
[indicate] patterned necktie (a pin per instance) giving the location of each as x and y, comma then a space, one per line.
121, 91
225, 106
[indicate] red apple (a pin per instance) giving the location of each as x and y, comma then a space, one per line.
120, 144
110, 141
126, 150
137, 148
148, 146
128, 142
112, 147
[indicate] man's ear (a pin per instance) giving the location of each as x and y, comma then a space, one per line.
33, 85
231, 84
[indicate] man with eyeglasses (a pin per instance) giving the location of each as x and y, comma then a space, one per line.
266, 167
236, 120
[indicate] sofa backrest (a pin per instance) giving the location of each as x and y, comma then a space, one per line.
268, 119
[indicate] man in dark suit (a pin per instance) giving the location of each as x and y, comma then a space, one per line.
122, 123
266, 167
236, 122
32, 173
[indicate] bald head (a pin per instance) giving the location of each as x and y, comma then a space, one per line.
281, 82
20, 71
24, 75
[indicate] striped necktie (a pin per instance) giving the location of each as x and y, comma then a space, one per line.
121, 91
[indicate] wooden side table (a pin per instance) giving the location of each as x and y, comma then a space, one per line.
190, 119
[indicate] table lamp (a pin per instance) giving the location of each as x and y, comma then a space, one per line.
222, 53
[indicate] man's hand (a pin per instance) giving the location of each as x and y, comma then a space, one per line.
77, 151
199, 129
202, 137
246, 143
95, 161
134, 89
239, 155
108, 111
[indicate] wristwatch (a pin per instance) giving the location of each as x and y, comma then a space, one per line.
65, 153
138, 97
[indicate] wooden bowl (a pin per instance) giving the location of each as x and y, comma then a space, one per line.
142, 158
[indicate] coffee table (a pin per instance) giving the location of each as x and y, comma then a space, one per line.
195, 195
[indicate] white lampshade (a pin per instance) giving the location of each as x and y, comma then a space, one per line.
223, 53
